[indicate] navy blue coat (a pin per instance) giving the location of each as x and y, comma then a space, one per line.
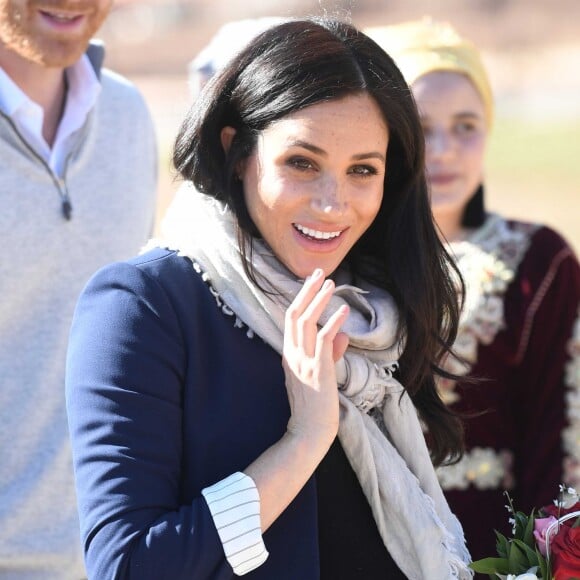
165, 396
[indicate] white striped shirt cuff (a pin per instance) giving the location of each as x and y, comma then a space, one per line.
234, 504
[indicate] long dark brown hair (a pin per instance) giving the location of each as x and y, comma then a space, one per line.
297, 64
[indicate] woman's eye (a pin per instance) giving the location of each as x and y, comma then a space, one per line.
300, 163
363, 170
465, 128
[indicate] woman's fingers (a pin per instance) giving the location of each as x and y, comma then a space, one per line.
304, 297
307, 323
309, 357
302, 316
311, 285
303, 337
339, 346
330, 341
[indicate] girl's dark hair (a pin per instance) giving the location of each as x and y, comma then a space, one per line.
300, 63
474, 213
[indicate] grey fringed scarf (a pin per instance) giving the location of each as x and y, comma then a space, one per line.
392, 464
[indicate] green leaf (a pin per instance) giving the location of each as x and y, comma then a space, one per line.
529, 530
542, 562
502, 545
529, 553
518, 563
491, 566
521, 525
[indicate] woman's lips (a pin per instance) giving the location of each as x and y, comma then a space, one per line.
442, 178
321, 240
318, 234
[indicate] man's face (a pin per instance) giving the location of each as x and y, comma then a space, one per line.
52, 33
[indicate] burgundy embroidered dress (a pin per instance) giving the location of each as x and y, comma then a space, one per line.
520, 334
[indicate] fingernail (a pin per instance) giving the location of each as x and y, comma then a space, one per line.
327, 284
317, 273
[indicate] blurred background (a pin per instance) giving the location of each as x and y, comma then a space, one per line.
531, 47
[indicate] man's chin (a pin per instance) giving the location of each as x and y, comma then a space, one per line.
59, 55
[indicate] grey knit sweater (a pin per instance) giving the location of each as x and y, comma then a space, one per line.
110, 179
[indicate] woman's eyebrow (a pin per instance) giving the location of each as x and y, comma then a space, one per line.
458, 115
317, 150
370, 155
467, 115
307, 145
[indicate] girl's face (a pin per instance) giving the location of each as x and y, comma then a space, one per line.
453, 119
314, 182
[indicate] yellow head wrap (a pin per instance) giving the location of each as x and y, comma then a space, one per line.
424, 46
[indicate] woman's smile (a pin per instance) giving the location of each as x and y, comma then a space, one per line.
311, 239
317, 234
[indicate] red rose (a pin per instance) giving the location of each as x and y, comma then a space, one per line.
565, 553
552, 510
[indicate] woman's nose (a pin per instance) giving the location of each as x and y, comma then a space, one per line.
439, 143
329, 196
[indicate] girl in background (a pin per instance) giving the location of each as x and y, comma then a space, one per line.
522, 294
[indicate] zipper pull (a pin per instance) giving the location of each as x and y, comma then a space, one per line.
66, 208
65, 205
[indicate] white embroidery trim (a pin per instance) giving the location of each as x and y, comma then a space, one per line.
571, 434
488, 261
482, 467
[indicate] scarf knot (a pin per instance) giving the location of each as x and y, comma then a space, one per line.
367, 383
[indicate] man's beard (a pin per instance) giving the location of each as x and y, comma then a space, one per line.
19, 32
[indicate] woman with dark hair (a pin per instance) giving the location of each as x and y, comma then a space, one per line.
235, 394
523, 294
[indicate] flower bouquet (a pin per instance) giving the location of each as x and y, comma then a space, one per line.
544, 545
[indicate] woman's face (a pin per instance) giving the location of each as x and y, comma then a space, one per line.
453, 119
314, 182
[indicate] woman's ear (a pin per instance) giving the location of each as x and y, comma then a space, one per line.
227, 136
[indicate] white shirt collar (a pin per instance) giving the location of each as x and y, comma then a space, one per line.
82, 94
12, 98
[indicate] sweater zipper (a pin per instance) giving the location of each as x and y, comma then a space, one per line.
59, 182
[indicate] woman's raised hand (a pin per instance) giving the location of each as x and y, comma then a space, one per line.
309, 356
